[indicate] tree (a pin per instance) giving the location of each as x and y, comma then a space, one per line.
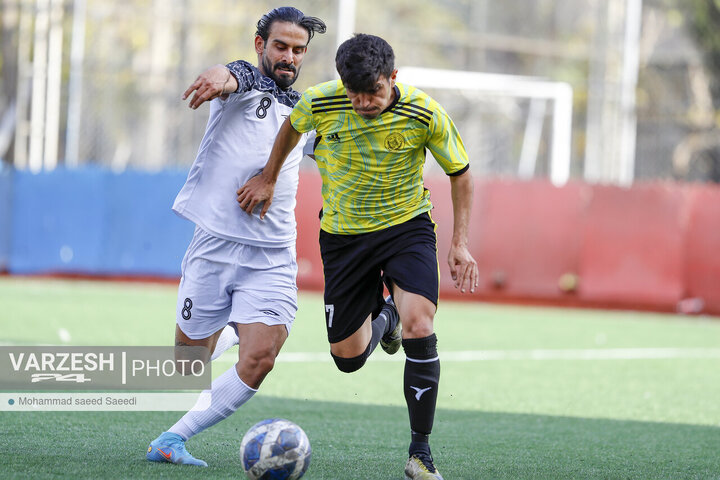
697, 157
704, 24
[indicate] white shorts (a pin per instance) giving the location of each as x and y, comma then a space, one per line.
224, 282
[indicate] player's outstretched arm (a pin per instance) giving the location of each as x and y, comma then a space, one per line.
213, 82
260, 188
463, 267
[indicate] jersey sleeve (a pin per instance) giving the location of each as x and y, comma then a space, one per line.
309, 139
244, 73
445, 143
301, 116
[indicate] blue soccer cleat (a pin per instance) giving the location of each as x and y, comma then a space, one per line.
170, 447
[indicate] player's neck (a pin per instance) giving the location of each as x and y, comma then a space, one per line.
394, 97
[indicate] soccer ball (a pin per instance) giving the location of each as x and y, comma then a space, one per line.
275, 449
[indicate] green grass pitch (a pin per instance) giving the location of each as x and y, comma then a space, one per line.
525, 393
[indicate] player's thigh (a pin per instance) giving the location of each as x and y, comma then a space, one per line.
353, 285
413, 265
204, 295
265, 290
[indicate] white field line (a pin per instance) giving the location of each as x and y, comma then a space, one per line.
573, 354
495, 355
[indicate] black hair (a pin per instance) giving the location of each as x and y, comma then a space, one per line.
292, 15
362, 59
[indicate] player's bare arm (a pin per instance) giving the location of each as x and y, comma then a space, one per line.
214, 82
463, 266
260, 188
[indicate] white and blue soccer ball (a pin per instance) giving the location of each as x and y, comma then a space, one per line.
275, 449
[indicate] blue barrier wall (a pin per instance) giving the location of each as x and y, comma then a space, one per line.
93, 221
5, 215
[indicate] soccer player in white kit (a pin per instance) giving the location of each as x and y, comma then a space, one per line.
239, 270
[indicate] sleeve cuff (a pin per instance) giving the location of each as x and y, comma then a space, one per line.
459, 172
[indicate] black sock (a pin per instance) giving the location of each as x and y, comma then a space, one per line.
385, 322
391, 314
422, 375
378, 330
419, 447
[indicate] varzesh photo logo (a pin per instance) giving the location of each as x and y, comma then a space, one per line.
53, 368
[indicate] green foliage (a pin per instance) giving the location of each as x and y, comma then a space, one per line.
704, 23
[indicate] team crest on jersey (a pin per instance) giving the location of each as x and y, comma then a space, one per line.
394, 141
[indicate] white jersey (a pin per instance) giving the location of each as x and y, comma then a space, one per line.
240, 133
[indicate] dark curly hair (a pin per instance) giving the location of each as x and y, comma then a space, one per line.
292, 15
362, 59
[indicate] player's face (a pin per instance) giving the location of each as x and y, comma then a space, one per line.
371, 104
281, 57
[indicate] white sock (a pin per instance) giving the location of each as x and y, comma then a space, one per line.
228, 393
228, 338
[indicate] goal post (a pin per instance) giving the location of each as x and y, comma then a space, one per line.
539, 91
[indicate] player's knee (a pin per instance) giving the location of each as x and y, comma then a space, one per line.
265, 364
261, 362
253, 372
417, 319
417, 329
353, 364
349, 365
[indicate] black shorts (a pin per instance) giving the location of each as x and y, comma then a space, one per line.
356, 265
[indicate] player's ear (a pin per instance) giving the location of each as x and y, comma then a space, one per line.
393, 78
259, 45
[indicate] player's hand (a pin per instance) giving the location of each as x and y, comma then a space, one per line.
210, 84
463, 268
255, 191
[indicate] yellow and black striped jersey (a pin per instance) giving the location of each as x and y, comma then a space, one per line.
372, 169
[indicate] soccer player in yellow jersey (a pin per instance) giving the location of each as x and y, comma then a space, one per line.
376, 226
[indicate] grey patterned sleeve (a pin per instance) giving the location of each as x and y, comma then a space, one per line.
244, 73
249, 78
